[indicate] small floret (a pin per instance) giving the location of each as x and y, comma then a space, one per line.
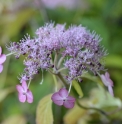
2, 60
61, 98
24, 94
107, 82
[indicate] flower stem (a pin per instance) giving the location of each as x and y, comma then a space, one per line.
29, 83
55, 81
70, 87
61, 69
62, 79
60, 61
55, 59
10, 54
50, 71
42, 77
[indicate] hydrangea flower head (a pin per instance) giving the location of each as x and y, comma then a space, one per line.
55, 48
79, 48
24, 93
61, 98
2, 60
107, 82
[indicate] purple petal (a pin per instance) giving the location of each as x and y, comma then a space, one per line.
1, 68
70, 99
22, 97
107, 75
110, 82
29, 96
68, 104
106, 79
110, 90
0, 50
24, 85
63, 93
2, 58
103, 78
57, 99
22, 80
19, 89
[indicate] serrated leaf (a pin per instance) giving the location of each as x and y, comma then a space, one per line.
77, 88
44, 113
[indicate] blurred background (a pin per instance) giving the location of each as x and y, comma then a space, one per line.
19, 17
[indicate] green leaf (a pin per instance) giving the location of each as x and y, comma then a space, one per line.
77, 88
5, 92
100, 96
15, 119
74, 115
44, 113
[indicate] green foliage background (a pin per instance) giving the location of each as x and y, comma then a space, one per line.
18, 18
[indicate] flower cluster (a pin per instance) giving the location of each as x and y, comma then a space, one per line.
55, 48
79, 49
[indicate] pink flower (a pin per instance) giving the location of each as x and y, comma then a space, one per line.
24, 93
107, 82
2, 59
61, 98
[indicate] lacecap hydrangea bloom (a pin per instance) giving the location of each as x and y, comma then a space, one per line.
57, 49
